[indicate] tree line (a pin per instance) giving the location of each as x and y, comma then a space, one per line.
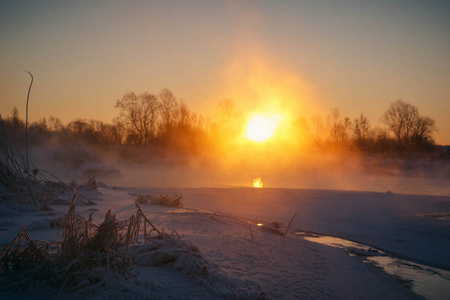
163, 121
405, 131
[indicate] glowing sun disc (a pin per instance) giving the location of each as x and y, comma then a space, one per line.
257, 183
260, 128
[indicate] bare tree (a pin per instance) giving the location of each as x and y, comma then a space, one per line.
138, 115
423, 130
338, 126
407, 125
361, 129
55, 124
184, 117
39, 127
400, 118
169, 110
79, 128
16, 123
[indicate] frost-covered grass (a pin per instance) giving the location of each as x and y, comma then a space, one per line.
223, 253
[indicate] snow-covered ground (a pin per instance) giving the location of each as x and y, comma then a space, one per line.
243, 260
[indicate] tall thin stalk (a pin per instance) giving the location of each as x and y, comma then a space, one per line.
26, 122
287, 229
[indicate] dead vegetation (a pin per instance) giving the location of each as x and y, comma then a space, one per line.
163, 200
26, 184
22, 252
86, 251
91, 258
16, 179
274, 227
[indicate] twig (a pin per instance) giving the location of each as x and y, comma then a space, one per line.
251, 232
287, 229
145, 218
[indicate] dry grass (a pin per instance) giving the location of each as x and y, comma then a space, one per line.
85, 248
163, 200
15, 176
88, 256
23, 252
22, 182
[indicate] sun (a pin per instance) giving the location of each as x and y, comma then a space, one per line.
261, 128
257, 183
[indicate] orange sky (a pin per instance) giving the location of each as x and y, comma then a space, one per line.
308, 56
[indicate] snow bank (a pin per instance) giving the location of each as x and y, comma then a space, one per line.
222, 255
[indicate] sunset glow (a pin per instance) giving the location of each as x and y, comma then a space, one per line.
190, 123
303, 55
257, 183
261, 128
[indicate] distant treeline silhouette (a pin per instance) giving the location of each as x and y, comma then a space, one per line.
164, 123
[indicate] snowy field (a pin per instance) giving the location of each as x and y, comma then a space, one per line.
245, 260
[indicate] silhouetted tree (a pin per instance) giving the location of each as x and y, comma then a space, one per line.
188, 134
169, 111
184, 117
361, 128
79, 128
55, 124
15, 128
407, 125
423, 130
382, 142
338, 127
138, 115
400, 118
188, 122
362, 133
113, 133
15, 121
39, 127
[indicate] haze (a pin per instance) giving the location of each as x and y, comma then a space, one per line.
307, 55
